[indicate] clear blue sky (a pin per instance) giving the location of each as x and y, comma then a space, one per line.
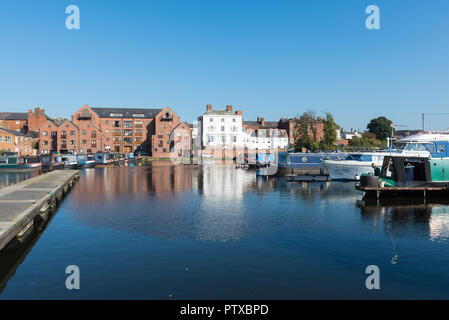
268, 58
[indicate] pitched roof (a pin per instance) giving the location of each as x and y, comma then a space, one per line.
16, 133
267, 124
14, 115
220, 112
126, 112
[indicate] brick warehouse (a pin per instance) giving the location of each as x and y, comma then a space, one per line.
122, 130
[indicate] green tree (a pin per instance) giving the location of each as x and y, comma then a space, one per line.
367, 140
381, 127
330, 133
303, 125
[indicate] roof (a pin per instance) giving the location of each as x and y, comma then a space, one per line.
267, 124
220, 113
126, 112
14, 115
16, 133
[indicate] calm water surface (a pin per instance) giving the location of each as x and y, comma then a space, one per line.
215, 232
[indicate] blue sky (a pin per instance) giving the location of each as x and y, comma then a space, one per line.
267, 58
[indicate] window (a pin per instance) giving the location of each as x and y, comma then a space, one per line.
211, 120
1, 138
84, 132
8, 139
138, 115
128, 132
72, 142
116, 115
233, 119
45, 133
45, 142
127, 124
72, 133
106, 122
128, 140
94, 142
63, 133
234, 138
222, 119
84, 141
222, 129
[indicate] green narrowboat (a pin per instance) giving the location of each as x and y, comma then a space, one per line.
13, 162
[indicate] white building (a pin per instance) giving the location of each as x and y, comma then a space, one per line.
220, 128
266, 138
225, 129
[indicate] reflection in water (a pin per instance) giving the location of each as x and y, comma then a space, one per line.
8, 178
136, 230
409, 218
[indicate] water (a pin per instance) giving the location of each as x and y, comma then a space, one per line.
8, 178
215, 232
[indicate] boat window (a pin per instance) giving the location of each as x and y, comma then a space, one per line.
12, 160
398, 146
415, 147
441, 148
2, 161
431, 147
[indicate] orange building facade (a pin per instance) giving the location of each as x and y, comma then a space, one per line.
14, 141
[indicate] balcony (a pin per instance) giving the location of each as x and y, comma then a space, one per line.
167, 117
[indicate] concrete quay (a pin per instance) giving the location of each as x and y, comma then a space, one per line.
21, 203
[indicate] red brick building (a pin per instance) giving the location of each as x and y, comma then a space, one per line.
126, 130
181, 140
316, 131
59, 136
15, 121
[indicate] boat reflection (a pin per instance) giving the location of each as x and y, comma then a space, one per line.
408, 217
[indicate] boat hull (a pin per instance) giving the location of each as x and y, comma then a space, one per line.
347, 170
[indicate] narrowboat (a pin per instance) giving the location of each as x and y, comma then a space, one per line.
405, 174
13, 162
86, 160
104, 158
70, 161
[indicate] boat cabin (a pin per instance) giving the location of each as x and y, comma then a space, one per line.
403, 170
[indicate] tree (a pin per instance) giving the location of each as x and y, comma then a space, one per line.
303, 125
367, 140
381, 127
330, 132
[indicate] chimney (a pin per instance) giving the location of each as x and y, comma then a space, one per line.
208, 107
239, 112
30, 111
258, 119
262, 121
228, 108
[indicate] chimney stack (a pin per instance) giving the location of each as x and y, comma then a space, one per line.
208, 107
228, 108
30, 111
262, 121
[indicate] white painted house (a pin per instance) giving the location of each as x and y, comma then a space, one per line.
220, 128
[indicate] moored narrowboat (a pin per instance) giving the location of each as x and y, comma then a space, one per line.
12, 161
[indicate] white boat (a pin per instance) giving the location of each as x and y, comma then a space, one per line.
353, 165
